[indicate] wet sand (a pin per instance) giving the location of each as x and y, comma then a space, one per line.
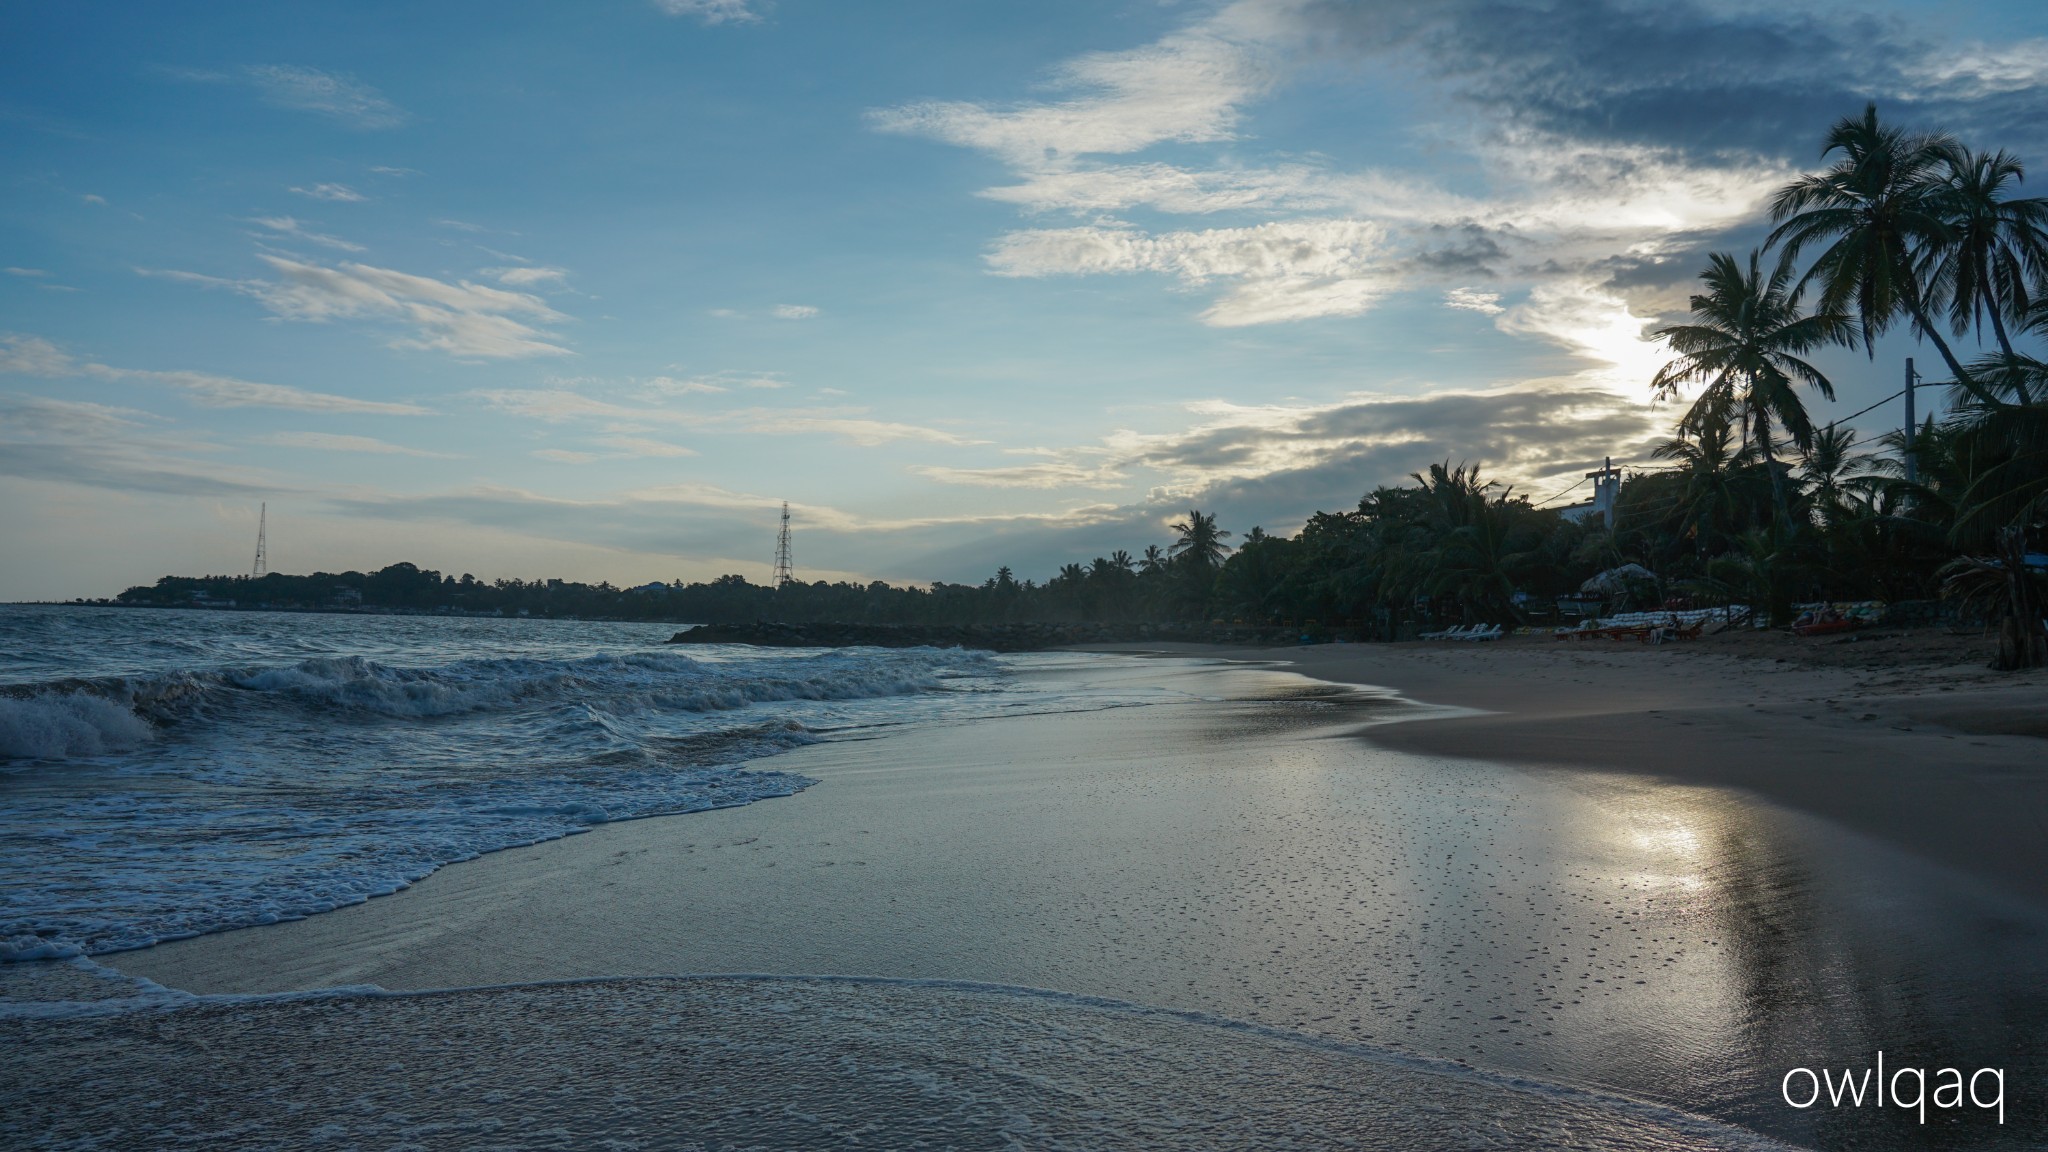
1893, 736
1250, 856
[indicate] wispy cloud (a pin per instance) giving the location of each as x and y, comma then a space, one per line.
462, 318
68, 441
642, 403
1474, 300
524, 277
1186, 88
794, 312
641, 446
332, 442
1290, 270
340, 193
34, 356
340, 98
713, 11
25, 272
291, 226
856, 430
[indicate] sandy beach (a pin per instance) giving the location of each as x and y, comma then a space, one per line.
1902, 735
1667, 873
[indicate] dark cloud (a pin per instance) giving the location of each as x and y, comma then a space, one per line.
1679, 74
1333, 456
1466, 250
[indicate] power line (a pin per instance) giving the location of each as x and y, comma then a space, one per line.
1880, 403
1541, 503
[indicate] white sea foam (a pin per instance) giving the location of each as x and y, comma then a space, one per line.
179, 794
58, 724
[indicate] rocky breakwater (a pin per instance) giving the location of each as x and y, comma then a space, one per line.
993, 637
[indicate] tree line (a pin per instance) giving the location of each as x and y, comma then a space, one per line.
1755, 502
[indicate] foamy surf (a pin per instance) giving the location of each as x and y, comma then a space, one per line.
171, 774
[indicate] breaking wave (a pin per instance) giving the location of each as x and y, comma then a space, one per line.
181, 796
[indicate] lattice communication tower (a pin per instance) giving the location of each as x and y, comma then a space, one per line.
262, 564
783, 575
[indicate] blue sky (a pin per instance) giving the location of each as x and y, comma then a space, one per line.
587, 290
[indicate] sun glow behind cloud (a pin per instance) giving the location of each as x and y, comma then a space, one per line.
1260, 256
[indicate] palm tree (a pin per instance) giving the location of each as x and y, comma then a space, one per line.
1201, 542
1709, 464
1154, 561
1999, 246
1121, 561
1746, 347
1882, 212
1827, 465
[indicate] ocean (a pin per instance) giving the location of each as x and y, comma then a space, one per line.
172, 773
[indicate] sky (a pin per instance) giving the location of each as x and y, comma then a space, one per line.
587, 291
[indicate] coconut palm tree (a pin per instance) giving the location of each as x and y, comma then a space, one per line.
1827, 466
1746, 347
1881, 215
1154, 560
1201, 542
1999, 245
1710, 468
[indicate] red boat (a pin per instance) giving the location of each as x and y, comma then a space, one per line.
1827, 627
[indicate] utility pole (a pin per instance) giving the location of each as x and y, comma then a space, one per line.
1606, 489
262, 564
783, 575
1912, 464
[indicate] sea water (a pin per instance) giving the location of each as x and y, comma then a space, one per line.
168, 773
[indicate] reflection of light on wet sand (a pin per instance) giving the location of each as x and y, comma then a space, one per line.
1234, 858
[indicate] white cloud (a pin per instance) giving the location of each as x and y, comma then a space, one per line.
526, 277
1973, 71
93, 198
463, 319
1045, 475
386, 170
1597, 325
713, 11
556, 405
26, 272
566, 456
331, 442
1186, 88
641, 446
33, 356
1290, 270
855, 430
1335, 242
794, 311
338, 97
1474, 300
672, 386
337, 192
290, 226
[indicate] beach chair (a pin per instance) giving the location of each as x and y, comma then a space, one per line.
1489, 633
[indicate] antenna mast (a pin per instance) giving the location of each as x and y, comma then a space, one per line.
262, 564
782, 573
